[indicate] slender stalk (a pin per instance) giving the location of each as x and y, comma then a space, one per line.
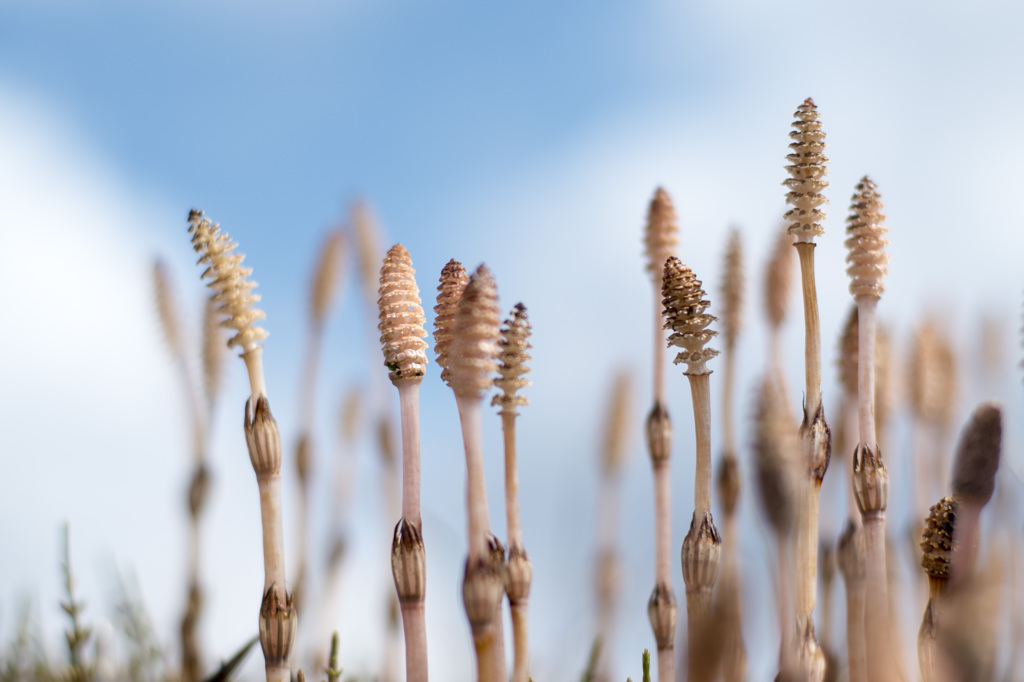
700, 392
477, 518
856, 647
409, 403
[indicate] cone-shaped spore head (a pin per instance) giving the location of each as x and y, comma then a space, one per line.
684, 305
807, 174
449, 291
401, 317
473, 353
661, 236
868, 262
514, 354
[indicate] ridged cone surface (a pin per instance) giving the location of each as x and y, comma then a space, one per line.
229, 280
866, 241
515, 346
166, 305
933, 378
732, 287
684, 306
778, 280
661, 236
401, 317
807, 174
849, 344
473, 353
327, 276
449, 291
937, 538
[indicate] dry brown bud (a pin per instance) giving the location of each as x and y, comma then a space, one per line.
775, 450
518, 575
277, 626
197, 490
401, 317
684, 306
866, 242
778, 280
262, 438
701, 553
449, 291
229, 280
977, 455
662, 612
851, 553
327, 276
937, 538
809, 655
661, 237
659, 433
732, 288
514, 345
870, 480
729, 483
821, 443
472, 355
807, 170
409, 562
482, 590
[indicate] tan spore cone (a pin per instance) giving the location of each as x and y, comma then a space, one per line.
514, 355
685, 315
401, 317
472, 355
230, 280
866, 241
449, 291
807, 174
661, 236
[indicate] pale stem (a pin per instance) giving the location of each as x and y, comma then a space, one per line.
311, 361
866, 307
662, 523
521, 641
515, 530
193, 549
876, 615
659, 344
785, 605
849, 445
700, 392
414, 622
856, 648
279, 672
607, 513
254, 364
807, 549
812, 328
409, 403
486, 670
666, 664
273, 530
478, 518
727, 391
698, 612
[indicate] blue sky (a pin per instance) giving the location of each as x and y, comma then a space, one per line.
530, 136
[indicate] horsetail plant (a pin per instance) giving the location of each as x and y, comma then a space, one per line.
807, 180
729, 479
515, 344
401, 335
866, 242
937, 552
323, 292
230, 280
684, 311
471, 357
660, 241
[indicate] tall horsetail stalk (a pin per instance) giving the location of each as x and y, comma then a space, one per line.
734, 659
866, 242
323, 292
684, 311
401, 336
660, 241
230, 280
807, 180
471, 332
515, 344
191, 657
